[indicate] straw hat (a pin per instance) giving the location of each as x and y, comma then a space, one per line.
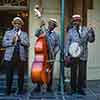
54, 20
76, 17
19, 19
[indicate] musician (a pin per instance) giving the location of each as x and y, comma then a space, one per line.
53, 43
16, 43
81, 35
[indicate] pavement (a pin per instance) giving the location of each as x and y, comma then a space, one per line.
92, 92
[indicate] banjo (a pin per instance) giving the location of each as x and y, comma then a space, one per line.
75, 49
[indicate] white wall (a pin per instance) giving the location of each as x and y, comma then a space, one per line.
94, 49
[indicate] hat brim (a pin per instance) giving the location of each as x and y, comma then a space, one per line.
76, 19
13, 22
53, 22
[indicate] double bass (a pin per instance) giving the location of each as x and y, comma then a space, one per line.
41, 69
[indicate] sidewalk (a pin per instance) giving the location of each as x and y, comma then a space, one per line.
93, 92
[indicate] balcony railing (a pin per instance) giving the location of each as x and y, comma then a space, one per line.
14, 4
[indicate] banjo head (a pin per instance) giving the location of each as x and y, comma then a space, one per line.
75, 49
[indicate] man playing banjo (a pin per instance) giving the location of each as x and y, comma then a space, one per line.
76, 50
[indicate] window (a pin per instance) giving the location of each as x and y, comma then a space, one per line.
90, 4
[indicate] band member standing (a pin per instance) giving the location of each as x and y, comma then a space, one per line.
81, 35
16, 43
53, 43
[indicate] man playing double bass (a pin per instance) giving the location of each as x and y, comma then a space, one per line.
53, 44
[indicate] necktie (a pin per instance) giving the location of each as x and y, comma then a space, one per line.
16, 51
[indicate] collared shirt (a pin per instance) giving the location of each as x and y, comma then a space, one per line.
84, 36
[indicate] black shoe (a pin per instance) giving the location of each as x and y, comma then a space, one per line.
19, 92
49, 90
71, 92
8, 93
58, 87
81, 92
37, 89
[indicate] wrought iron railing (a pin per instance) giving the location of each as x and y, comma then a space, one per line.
13, 2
